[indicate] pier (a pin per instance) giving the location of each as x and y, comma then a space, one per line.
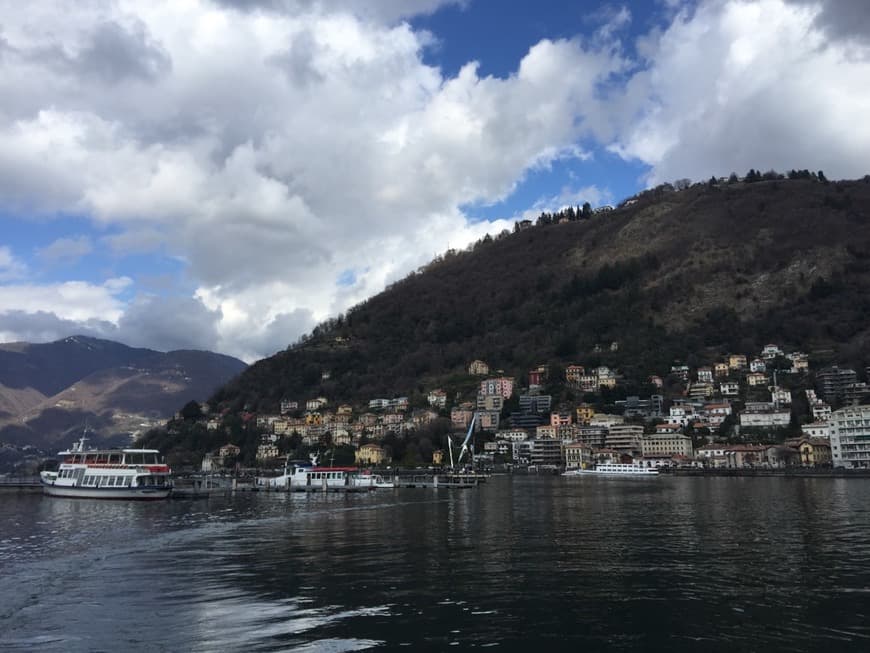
20, 484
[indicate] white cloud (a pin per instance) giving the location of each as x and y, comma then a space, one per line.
271, 145
10, 266
75, 301
737, 85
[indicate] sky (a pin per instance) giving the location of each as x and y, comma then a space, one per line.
226, 174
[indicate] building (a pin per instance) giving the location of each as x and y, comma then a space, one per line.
705, 374
756, 378
736, 361
764, 415
490, 402
831, 383
512, 435
478, 368
561, 418
538, 404
667, 445
577, 455
594, 436
721, 369
812, 452
487, 420
625, 438
545, 431
729, 389
370, 454
545, 452
573, 373
460, 416
769, 352
757, 365
585, 412
817, 430
437, 398
636, 407
502, 386
850, 437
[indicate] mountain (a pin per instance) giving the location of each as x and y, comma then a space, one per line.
49, 391
669, 276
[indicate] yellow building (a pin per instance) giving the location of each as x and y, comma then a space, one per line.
438, 457
585, 412
370, 454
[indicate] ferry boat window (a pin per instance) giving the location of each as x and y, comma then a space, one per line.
114, 458
135, 459
151, 459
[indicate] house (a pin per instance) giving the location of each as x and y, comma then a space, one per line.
606, 420
370, 454
705, 375
780, 397
288, 406
721, 369
512, 435
657, 381
229, 450
701, 390
460, 416
478, 368
729, 389
538, 375
736, 361
813, 452
437, 398
379, 404
757, 365
560, 418
315, 404
577, 455
345, 409
546, 431
799, 362
680, 371
756, 378
769, 352
715, 413
573, 374
438, 457
266, 451
584, 412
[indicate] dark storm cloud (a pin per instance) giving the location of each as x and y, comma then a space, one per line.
842, 19
169, 323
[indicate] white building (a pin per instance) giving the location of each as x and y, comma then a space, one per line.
850, 437
817, 430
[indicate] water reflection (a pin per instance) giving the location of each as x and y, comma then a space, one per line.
670, 563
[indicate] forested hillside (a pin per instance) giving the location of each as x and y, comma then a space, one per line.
672, 275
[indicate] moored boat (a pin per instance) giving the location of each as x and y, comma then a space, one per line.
108, 474
614, 469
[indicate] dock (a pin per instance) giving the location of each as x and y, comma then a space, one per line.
20, 484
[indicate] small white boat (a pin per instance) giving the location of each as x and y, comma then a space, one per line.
108, 474
614, 469
309, 477
366, 479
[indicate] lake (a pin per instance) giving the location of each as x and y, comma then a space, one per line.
525, 562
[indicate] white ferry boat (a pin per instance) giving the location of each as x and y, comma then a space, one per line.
614, 469
310, 477
108, 474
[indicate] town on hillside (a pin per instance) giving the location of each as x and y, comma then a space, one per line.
767, 410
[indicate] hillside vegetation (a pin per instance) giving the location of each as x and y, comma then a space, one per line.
670, 276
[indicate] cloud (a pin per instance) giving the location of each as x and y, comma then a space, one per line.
174, 322
269, 146
10, 267
849, 19
735, 85
75, 301
66, 250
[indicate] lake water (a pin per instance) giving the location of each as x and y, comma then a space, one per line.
522, 563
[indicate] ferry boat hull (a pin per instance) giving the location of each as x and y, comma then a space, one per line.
137, 493
614, 470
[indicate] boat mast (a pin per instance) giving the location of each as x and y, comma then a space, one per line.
465, 448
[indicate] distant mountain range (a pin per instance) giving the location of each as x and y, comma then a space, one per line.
673, 275
48, 392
